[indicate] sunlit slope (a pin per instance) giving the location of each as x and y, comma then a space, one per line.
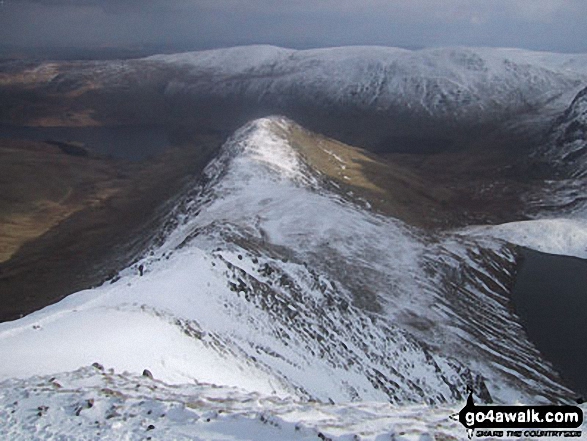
41, 186
70, 222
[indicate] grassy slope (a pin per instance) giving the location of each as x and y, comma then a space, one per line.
481, 184
86, 244
42, 186
389, 188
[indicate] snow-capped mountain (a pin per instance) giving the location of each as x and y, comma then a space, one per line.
268, 279
431, 88
566, 150
558, 204
456, 82
564, 153
367, 96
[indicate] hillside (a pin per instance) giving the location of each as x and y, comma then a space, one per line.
70, 222
295, 287
42, 185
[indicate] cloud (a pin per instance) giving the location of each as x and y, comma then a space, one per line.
530, 9
536, 24
544, 11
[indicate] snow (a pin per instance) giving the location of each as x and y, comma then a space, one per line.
90, 403
233, 60
566, 149
567, 237
266, 148
560, 211
266, 291
95, 403
131, 326
469, 84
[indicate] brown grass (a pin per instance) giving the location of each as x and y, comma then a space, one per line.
42, 73
389, 188
106, 221
41, 186
478, 182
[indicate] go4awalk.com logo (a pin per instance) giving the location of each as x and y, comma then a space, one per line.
520, 421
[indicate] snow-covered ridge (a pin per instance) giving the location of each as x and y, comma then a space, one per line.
566, 237
266, 280
455, 83
259, 144
97, 403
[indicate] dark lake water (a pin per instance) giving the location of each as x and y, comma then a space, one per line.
550, 296
133, 143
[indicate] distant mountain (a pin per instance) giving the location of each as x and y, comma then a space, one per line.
385, 99
387, 93
450, 83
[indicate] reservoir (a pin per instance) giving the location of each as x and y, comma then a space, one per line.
550, 296
132, 143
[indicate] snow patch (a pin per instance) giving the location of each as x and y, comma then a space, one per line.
567, 237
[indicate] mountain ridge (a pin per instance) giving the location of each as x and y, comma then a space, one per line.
262, 269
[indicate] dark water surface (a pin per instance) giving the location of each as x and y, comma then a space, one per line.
133, 143
550, 296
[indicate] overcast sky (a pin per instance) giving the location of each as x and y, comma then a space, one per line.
555, 25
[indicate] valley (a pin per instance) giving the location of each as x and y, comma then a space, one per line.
70, 222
